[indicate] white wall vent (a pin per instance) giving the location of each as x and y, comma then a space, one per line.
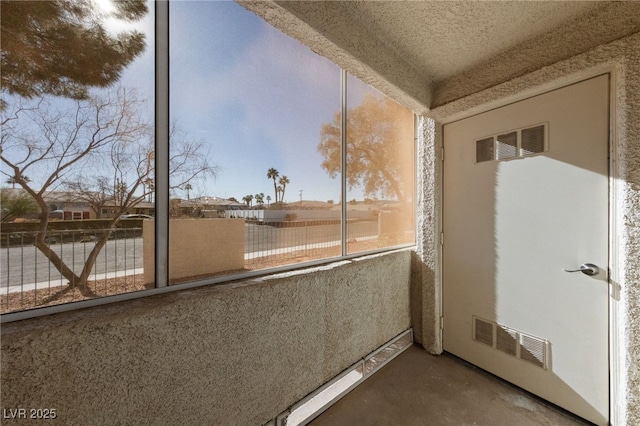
512, 342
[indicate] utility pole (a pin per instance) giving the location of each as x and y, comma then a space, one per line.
301, 196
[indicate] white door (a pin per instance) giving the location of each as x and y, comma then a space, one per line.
526, 196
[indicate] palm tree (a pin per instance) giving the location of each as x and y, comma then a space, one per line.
284, 181
151, 187
259, 198
188, 187
121, 191
273, 174
268, 200
248, 199
13, 180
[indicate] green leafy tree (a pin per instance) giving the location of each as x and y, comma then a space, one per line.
15, 204
259, 198
62, 48
248, 199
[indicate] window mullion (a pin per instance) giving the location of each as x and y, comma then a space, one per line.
343, 167
162, 143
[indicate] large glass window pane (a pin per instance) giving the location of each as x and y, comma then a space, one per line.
380, 170
249, 187
77, 149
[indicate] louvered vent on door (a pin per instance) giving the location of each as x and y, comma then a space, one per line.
532, 140
518, 143
534, 350
507, 340
484, 150
483, 331
512, 342
507, 145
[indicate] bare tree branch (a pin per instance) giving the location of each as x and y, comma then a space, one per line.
55, 142
107, 135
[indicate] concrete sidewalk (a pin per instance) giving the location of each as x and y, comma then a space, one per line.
58, 282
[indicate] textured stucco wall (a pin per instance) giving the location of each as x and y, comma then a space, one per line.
235, 354
622, 57
425, 293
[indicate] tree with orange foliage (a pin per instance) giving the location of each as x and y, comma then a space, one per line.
380, 148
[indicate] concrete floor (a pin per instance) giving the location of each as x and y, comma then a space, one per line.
417, 388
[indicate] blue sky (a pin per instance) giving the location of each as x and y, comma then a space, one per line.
253, 96
256, 96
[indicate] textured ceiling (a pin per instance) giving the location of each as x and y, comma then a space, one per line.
444, 38
428, 53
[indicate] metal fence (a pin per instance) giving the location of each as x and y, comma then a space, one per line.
28, 278
281, 243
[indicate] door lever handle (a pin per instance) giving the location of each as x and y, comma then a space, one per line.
585, 268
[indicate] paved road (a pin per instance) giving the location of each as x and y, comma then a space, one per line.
26, 265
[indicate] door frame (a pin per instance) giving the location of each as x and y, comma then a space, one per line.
616, 221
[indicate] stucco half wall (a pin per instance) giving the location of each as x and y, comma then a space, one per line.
234, 354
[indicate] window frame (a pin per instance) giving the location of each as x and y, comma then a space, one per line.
162, 196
